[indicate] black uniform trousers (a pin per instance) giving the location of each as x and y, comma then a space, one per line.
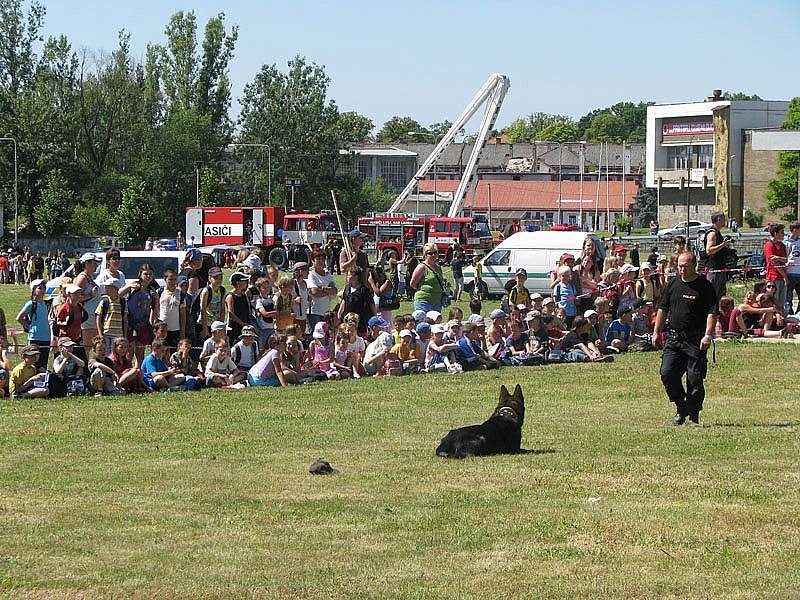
684, 357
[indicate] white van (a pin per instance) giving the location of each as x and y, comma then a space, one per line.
130, 262
535, 251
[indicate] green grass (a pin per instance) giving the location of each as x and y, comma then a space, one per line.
209, 494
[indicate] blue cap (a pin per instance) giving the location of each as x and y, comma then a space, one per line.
377, 322
192, 255
422, 327
356, 233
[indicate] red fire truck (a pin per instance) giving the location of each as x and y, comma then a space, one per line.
268, 227
394, 234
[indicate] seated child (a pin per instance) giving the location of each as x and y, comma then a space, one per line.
221, 371
440, 355
269, 370
102, 378
129, 378
407, 351
155, 371
182, 360
376, 353
245, 352
343, 358
26, 381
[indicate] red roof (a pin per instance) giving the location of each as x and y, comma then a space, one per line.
541, 195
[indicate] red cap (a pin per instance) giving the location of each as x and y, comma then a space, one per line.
567, 256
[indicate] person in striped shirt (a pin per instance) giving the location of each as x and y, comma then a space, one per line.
110, 313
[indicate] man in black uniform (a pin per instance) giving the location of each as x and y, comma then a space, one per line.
689, 303
714, 246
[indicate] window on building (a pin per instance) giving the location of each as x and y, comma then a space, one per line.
705, 156
573, 219
394, 173
678, 157
549, 217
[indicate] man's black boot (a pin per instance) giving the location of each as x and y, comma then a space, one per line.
679, 419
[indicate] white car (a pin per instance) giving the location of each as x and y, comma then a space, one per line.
695, 228
130, 262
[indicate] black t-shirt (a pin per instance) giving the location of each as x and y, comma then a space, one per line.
202, 272
715, 261
457, 265
689, 304
572, 339
360, 301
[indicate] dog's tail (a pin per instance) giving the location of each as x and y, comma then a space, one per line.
462, 448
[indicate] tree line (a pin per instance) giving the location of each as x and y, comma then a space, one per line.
108, 143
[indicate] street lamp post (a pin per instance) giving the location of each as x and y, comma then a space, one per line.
16, 195
269, 164
197, 165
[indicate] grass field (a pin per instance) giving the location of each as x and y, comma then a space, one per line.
208, 494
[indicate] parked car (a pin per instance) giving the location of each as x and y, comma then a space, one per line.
695, 228
130, 262
567, 227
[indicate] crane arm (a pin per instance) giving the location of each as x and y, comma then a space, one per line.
494, 90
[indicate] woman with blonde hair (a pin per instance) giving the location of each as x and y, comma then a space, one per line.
427, 281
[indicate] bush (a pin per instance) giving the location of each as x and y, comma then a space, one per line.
754, 220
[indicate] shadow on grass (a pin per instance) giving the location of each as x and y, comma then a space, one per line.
537, 451
734, 425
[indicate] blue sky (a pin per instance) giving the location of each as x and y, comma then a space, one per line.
427, 59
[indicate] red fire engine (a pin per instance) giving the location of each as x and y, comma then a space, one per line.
268, 227
394, 234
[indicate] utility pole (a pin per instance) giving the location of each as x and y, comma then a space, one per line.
197, 165
292, 184
560, 150
489, 190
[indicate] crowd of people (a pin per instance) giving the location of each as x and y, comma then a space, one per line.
117, 333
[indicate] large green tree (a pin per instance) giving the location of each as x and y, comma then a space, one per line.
180, 76
52, 212
400, 130
136, 217
782, 193
291, 112
353, 127
541, 126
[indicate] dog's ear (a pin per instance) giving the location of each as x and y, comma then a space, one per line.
504, 392
518, 393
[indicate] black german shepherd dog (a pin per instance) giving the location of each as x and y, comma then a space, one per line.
501, 434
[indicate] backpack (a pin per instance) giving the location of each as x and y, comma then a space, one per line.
236, 353
194, 309
138, 314
391, 301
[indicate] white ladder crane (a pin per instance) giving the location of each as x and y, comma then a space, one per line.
492, 93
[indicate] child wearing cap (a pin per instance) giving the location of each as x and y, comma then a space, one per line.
68, 318
66, 363
433, 317
26, 381
439, 355
219, 333
212, 302
320, 351
627, 286
110, 312
221, 371
407, 352
245, 351
566, 260
519, 293
376, 353
34, 318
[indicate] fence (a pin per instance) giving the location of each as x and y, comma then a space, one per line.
71, 245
